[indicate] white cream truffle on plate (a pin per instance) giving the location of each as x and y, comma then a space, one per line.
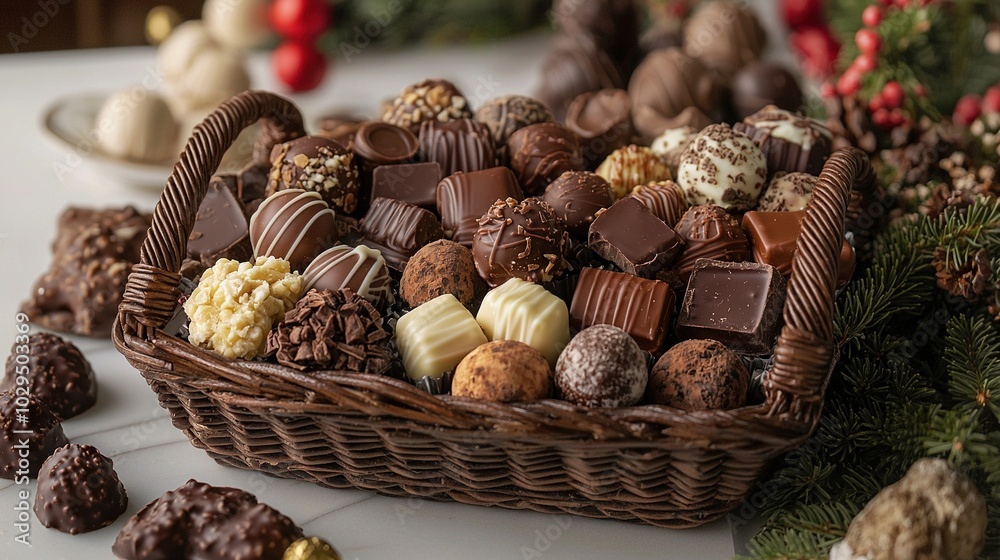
237, 25
137, 124
787, 192
722, 167
199, 72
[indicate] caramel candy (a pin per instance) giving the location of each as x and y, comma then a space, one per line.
433, 338
526, 312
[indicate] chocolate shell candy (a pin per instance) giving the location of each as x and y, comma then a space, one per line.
458, 145
601, 367
398, 230
294, 225
540, 153
520, 240
508, 114
438, 268
613, 24
427, 100
631, 166
56, 372
576, 197
221, 229
79, 490
503, 371
463, 198
360, 269
670, 90
775, 235
709, 233
631, 237
317, 164
699, 375
665, 199
763, 83
790, 142
575, 64
724, 35
23, 417
723, 167
526, 312
378, 143
602, 121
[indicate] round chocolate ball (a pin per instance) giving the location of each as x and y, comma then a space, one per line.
670, 145
631, 166
576, 196
427, 100
787, 192
294, 225
438, 268
613, 24
709, 232
317, 164
57, 373
723, 167
602, 120
503, 371
670, 90
19, 414
601, 366
540, 153
575, 64
699, 375
508, 114
520, 240
360, 269
763, 83
725, 36
79, 490
665, 199
790, 142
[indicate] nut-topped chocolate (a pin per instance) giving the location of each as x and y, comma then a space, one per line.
508, 114
709, 233
723, 167
520, 240
602, 121
665, 199
57, 373
790, 142
30, 422
79, 490
427, 100
360, 269
317, 164
457, 145
724, 35
540, 153
630, 166
670, 90
576, 197
294, 225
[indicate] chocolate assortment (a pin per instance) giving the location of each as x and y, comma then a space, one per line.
57, 373
631, 237
79, 490
463, 198
520, 240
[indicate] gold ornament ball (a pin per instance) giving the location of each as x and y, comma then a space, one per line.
311, 548
160, 23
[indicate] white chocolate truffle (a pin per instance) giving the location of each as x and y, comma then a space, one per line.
240, 24
137, 124
433, 338
630, 166
528, 313
669, 146
787, 192
722, 167
199, 72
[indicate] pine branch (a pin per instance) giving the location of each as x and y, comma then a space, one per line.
973, 361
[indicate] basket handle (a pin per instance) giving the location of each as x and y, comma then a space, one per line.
805, 350
152, 289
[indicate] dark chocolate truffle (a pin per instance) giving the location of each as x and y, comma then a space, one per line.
441, 267
613, 24
671, 90
510, 113
317, 164
602, 121
202, 521
457, 145
20, 413
665, 199
699, 375
540, 153
724, 35
503, 371
520, 240
709, 233
763, 83
601, 366
575, 64
790, 142
576, 196
427, 100
360, 269
56, 372
294, 225
79, 490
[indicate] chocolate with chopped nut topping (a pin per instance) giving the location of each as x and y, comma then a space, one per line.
520, 240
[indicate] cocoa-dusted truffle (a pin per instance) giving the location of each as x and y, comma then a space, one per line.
427, 100
790, 142
576, 196
23, 417
575, 64
665, 199
79, 490
724, 35
441, 267
317, 164
56, 372
360, 269
630, 166
294, 225
699, 375
503, 371
520, 240
335, 330
601, 366
602, 120
670, 145
540, 153
670, 90
787, 192
723, 167
508, 114
458, 145
709, 233
202, 521
762, 83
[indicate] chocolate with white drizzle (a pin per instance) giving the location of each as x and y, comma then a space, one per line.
790, 142
360, 269
294, 225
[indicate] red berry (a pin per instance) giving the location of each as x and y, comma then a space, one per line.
967, 110
991, 100
801, 13
868, 41
827, 90
882, 118
299, 20
898, 117
886, 3
876, 103
818, 50
298, 65
920, 90
865, 63
893, 94
872, 16
849, 82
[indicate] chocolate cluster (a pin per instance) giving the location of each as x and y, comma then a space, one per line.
56, 372
79, 490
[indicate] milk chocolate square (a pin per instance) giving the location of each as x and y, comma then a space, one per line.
414, 183
635, 240
463, 198
775, 235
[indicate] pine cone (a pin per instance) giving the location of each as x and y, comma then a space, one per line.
333, 330
969, 280
917, 162
849, 123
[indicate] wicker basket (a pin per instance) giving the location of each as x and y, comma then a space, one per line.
649, 464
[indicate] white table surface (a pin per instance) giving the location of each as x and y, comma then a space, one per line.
150, 455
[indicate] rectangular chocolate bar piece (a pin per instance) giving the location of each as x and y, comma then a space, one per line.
414, 183
398, 230
638, 306
631, 237
463, 198
737, 304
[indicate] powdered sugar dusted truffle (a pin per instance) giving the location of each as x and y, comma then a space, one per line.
787, 192
671, 143
601, 366
630, 166
723, 167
